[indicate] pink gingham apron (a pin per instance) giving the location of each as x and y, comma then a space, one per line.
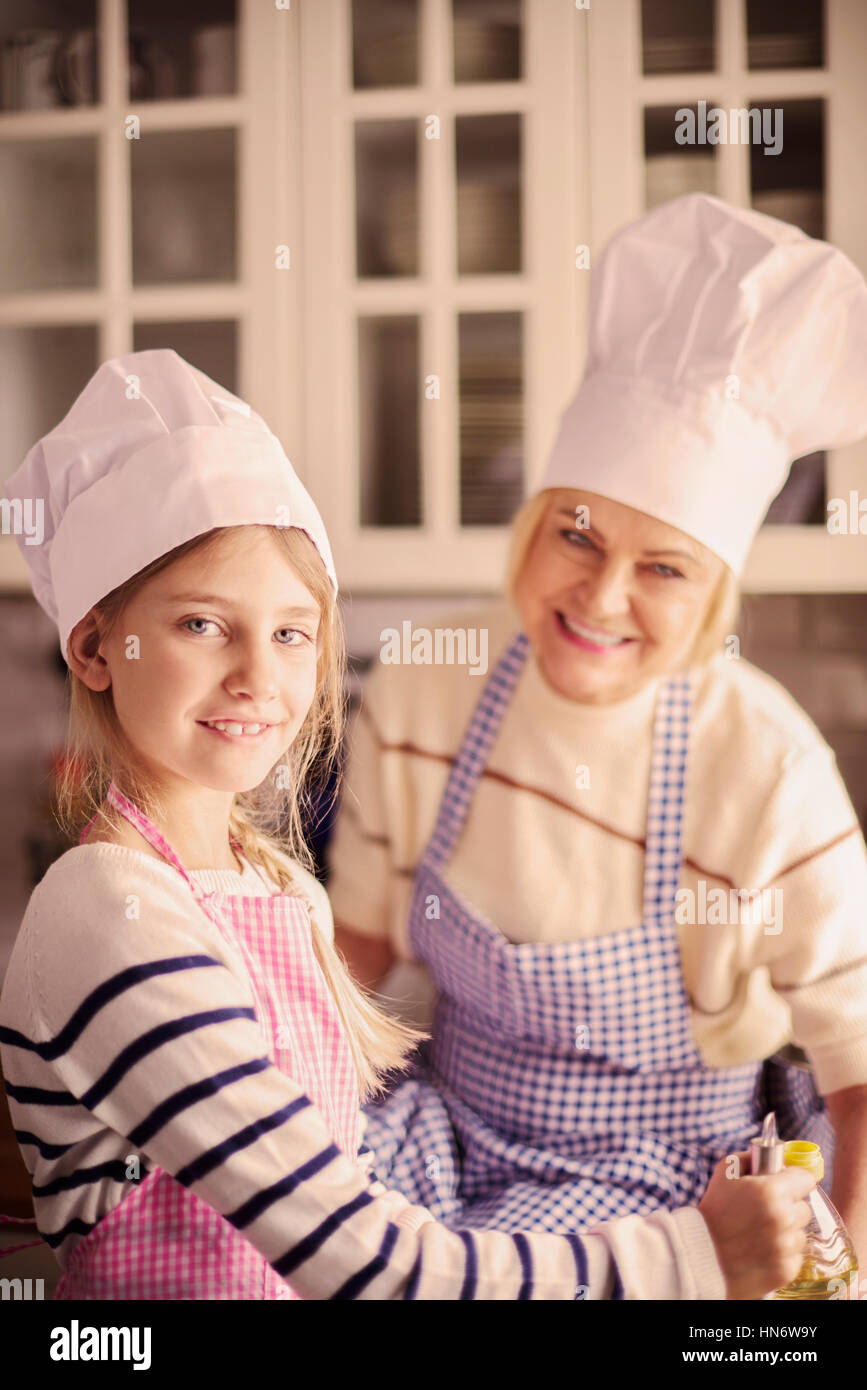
161, 1241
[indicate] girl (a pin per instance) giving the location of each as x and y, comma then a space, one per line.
183, 1051
562, 851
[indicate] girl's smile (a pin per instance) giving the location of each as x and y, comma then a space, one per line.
239, 733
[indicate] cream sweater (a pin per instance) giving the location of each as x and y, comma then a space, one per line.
553, 853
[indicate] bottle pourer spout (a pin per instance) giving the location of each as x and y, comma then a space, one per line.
767, 1152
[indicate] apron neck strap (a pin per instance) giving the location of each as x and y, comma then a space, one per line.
146, 828
671, 728
663, 853
473, 752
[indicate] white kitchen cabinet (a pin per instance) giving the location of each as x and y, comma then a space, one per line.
365, 218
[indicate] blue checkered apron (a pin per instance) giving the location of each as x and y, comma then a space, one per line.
562, 1085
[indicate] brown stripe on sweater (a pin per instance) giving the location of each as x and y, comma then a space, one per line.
814, 853
640, 843
415, 751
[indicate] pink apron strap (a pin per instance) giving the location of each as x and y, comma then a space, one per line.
145, 827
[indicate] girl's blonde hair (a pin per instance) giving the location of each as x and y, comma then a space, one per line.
720, 616
98, 752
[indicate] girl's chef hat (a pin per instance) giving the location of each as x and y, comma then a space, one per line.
723, 344
151, 454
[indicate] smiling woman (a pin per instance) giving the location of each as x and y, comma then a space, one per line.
538, 514
592, 1053
638, 596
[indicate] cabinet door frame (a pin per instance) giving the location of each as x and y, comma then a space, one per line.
438, 556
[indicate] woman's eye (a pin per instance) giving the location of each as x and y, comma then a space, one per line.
296, 631
576, 536
666, 571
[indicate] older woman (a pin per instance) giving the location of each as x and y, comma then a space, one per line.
629, 864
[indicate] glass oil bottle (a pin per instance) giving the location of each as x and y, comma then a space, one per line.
830, 1268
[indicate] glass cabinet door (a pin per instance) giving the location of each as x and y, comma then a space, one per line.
459, 171
487, 40
48, 55
103, 221
48, 214
791, 35
183, 185
385, 43
779, 163
187, 50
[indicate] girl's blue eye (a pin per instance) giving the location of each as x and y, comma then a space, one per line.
206, 621
666, 571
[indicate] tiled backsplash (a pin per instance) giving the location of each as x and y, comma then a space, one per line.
816, 645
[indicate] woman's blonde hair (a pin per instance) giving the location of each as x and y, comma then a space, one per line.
720, 616
98, 752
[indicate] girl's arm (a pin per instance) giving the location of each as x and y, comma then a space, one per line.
149, 1030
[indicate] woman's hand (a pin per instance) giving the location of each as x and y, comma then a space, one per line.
757, 1225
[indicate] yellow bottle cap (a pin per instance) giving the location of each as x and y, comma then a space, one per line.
799, 1153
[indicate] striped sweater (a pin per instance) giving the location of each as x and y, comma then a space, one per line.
134, 1035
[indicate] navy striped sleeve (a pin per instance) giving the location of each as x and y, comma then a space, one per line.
146, 1027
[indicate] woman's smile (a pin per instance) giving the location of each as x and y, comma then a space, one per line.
590, 638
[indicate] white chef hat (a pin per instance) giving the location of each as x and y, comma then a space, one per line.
723, 345
150, 454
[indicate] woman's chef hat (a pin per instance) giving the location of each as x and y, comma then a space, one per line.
151, 454
723, 345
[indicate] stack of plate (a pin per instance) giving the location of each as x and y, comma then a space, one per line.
486, 52
390, 61
785, 50
489, 228
803, 207
489, 240
483, 52
400, 231
491, 437
679, 53
670, 175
